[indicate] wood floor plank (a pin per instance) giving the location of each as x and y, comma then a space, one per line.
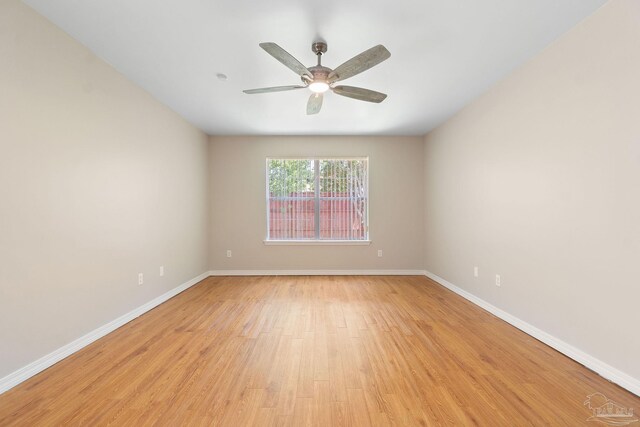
343, 351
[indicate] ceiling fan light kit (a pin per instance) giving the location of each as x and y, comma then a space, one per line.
319, 87
320, 79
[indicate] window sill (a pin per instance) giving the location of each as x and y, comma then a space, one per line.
317, 242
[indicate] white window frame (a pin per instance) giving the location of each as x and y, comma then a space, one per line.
316, 241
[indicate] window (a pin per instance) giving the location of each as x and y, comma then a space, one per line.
317, 200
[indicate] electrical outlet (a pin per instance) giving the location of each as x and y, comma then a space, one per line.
379, 253
161, 270
498, 280
140, 278
475, 271
228, 253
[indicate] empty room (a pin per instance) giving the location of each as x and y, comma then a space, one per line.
363, 213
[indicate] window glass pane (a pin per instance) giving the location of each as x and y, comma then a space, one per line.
291, 199
343, 204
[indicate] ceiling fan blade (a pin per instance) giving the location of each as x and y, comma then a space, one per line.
359, 63
315, 103
272, 89
286, 58
360, 93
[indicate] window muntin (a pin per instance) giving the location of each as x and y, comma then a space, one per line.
317, 199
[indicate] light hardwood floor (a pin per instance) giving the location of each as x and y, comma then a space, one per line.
324, 351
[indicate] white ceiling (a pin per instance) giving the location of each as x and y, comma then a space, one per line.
444, 53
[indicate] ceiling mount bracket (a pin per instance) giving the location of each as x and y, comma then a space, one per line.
319, 48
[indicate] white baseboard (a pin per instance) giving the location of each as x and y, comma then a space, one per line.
316, 272
26, 372
607, 371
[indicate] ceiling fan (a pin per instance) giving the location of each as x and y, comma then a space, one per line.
320, 79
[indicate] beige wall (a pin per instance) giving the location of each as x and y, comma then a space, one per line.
98, 182
539, 181
238, 219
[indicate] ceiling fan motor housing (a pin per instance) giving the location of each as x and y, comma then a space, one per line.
320, 73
